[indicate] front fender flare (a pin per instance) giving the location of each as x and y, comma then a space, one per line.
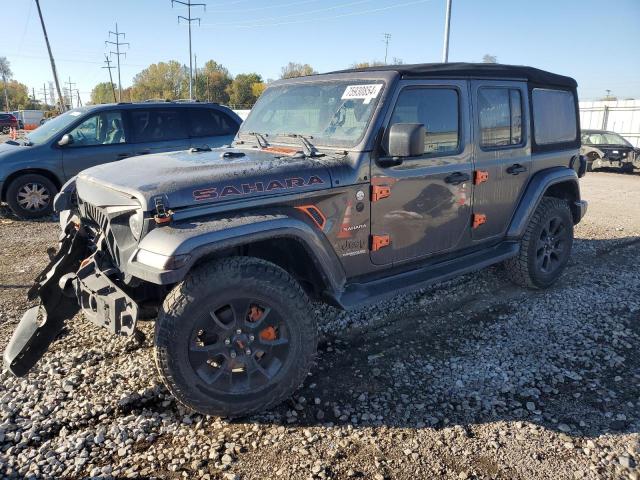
201, 238
533, 194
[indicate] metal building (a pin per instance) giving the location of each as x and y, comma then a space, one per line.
620, 116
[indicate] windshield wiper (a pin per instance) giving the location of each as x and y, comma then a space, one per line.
262, 142
310, 149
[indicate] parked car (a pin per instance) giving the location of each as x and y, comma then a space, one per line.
29, 119
344, 188
608, 149
32, 171
7, 122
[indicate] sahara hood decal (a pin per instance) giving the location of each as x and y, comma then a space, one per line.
247, 188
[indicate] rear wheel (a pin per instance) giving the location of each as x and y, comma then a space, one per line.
235, 337
546, 246
31, 196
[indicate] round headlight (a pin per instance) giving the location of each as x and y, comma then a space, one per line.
136, 221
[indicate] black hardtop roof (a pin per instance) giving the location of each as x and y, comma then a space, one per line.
473, 70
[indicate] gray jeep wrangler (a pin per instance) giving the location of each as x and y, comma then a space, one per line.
345, 188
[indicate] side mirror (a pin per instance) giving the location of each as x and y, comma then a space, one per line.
406, 140
67, 139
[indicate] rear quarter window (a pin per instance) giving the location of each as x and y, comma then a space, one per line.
554, 116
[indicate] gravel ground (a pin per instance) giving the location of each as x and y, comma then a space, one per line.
474, 378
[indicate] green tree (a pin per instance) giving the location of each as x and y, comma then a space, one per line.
102, 93
163, 80
292, 70
241, 90
213, 82
18, 96
487, 58
5, 72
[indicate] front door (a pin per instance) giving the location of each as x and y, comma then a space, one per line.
424, 204
101, 138
502, 151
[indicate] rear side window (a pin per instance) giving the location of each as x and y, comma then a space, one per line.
554, 116
208, 122
157, 125
500, 113
437, 109
4, 116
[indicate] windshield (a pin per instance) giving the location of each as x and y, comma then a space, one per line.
607, 138
46, 131
332, 113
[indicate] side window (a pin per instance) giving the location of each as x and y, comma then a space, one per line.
437, 109
554, 116
208, 122
102, 129
500, 114
157, 125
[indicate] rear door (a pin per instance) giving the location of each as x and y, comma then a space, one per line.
503, 152
158, 130
100, 138
428, 208
211, 127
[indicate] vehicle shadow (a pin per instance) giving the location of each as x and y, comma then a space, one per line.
479, 350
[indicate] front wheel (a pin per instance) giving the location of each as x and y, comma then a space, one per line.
31, 196
545, 247
237, 336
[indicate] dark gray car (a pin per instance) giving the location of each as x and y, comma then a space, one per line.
33, 170
344, 188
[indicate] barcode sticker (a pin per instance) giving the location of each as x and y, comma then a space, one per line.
362, 92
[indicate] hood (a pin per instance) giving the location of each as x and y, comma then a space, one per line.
188, 178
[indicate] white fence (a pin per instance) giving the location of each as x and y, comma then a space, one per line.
620, 116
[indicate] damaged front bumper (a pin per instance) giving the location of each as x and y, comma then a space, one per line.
73, 280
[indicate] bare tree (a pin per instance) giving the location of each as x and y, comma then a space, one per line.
487, 58
292, 70
5, 71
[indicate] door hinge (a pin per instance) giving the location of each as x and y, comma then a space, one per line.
378, 192
480, 176
379, 241
478, 219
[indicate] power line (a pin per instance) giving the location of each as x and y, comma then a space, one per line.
316, 19
117, 53
387, 37
70, 91
189, 19
107, 60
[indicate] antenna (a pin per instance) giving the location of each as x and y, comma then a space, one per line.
189, 19
117, 53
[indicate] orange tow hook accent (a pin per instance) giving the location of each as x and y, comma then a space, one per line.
378, 192
379, 241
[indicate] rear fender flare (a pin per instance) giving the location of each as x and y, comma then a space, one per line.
201, 239
536, 189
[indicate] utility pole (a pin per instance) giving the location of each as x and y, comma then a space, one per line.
447, 23
387, 37
44, 92
70, 92
53, 64
107, 60
78, 97
117, 53
195, 85
189, 20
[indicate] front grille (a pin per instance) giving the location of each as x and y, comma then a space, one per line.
99, 218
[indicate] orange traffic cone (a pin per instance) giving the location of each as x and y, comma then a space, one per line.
346, 223
14, 133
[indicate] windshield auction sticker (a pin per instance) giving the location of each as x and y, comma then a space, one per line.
362, 92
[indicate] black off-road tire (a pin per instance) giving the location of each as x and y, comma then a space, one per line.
16, 186
203, 289
524, 269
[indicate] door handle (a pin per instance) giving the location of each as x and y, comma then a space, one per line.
457, 178
123, 155
516, 169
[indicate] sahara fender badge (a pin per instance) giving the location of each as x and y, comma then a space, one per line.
255, 187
